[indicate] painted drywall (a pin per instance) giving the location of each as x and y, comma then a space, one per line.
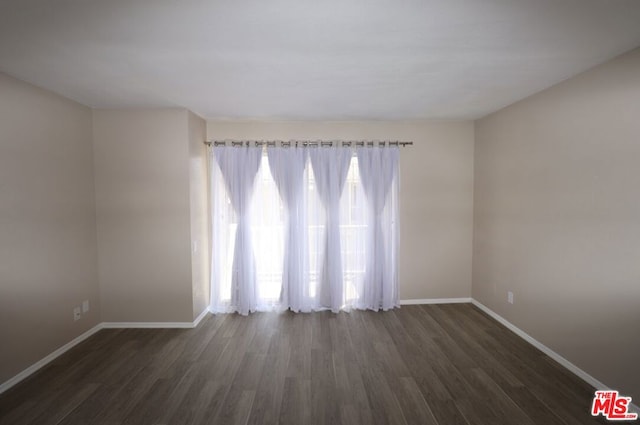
557, 219
436, 192
311, 60
199, 207
48, 260
143, 214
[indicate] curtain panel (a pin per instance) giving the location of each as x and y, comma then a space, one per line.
303, 228
239, 166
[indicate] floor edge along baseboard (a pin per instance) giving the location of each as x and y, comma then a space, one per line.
597, 384
186, 325
147, 325
421, 301
48, 359
77, 340
540, 346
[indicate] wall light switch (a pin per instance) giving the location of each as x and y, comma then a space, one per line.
510, 297
76, 314
85, 306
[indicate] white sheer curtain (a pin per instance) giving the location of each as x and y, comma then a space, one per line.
287, 167
238, 167
379, 172
330, 168
296, 228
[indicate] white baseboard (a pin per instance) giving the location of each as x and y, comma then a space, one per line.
200, 317
104, 325
147, 325
435, 301
540, 346
47, 359
597, 384
155, 325
522, 334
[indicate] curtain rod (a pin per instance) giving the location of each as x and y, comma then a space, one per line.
290, 143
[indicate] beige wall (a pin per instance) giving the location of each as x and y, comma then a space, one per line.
199, 207
557, 219
436, 202
143, 214
47, 224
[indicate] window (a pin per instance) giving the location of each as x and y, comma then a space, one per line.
263, 279
268, 228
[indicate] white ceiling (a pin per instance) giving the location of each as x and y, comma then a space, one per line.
302, 59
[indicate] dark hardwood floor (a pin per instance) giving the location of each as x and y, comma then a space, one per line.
433, 364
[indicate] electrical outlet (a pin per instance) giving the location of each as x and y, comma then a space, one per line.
85, 306
510, 297
76, 314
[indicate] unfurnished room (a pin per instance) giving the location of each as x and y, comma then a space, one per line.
339, 212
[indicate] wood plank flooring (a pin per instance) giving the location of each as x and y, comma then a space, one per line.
434, 364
